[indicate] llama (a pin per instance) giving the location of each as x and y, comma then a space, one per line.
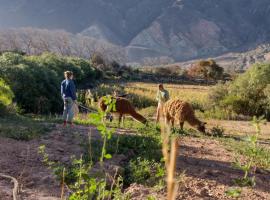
177, 110
122, 107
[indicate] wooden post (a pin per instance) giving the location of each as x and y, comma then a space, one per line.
171, 170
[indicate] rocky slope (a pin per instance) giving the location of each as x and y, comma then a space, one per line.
179, 29
237, 61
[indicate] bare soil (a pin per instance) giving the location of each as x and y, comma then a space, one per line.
208, 172
21, 160
204, 165
240, 128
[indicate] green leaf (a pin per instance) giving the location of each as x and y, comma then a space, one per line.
233, 192
108, 156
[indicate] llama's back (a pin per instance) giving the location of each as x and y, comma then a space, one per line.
178, 110
123, 106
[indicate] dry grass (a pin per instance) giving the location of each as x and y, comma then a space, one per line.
190, 93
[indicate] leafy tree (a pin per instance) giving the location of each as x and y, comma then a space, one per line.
208, 70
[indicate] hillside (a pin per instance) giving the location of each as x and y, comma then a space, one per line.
236, 61
178, 29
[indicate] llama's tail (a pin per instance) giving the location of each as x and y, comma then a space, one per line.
138, 117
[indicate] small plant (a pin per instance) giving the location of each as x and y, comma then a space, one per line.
249, 165
151, 197
233, 192
146, 172
217, 131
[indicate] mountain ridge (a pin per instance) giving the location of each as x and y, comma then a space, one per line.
177, 29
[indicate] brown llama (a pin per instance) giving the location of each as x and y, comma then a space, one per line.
123, 107
180, 111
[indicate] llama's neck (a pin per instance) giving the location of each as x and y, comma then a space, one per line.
193, 121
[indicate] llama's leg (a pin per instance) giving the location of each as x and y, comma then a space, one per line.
172, 120
120, 119
123, 120
181, 125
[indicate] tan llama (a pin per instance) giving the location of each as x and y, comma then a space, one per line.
123, 107
180, 111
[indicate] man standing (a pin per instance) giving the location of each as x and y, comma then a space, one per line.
68, 93
162, 97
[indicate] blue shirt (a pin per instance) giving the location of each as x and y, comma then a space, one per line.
68, 89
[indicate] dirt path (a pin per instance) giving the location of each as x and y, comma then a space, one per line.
207, 165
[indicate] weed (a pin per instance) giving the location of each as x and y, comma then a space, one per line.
249, 165
145, 172
233, 192
217, 131
150, 197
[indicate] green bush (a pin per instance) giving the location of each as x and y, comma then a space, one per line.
248, 94
35, 80
6, 96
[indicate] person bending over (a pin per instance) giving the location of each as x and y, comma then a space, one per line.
68, 93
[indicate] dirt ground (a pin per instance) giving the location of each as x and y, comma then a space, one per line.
204, 165
208, 172
240, 128
21, 160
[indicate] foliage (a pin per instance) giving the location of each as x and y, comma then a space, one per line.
207, 69
248, 94
233, 192
6, 96
35, 80
143, 171
250, 164
99, 122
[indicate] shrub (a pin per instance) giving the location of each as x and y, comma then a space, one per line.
6, 96
35, 80
248, 94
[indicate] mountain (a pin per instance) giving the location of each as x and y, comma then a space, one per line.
178, 29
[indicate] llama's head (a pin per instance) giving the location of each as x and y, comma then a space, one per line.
201, 127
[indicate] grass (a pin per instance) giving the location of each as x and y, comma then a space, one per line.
190, 93
21, 128
262, 158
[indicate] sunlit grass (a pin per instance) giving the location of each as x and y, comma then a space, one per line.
190, 93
